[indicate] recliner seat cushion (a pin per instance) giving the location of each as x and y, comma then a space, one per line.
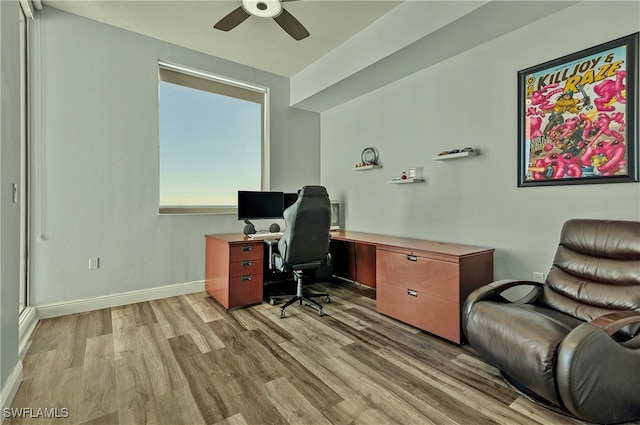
521, 340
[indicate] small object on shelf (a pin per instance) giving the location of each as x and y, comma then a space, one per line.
369, 156
397, 180
362, 167
458, 154
413, 175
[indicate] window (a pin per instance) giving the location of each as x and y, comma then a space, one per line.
212, 141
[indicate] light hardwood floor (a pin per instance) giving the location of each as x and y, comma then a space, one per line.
185, 360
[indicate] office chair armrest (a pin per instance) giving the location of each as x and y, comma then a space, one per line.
271, 250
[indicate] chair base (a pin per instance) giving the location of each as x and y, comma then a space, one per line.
535, 398
300, 297
307, 298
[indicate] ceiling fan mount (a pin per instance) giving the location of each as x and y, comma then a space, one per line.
263, 9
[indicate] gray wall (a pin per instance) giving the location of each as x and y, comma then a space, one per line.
470, 100
9, 174
95, 161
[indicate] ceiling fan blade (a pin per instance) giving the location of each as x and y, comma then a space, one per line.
291, 25
232, 20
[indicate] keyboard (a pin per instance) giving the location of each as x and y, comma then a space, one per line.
265, 235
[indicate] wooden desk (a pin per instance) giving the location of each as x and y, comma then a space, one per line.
423, 283
234, 268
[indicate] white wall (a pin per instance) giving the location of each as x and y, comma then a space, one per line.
9, 211
470, 100
95, 161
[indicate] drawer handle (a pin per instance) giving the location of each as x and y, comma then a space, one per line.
412, 258
412, 292
246, 277
246, 263
247, 248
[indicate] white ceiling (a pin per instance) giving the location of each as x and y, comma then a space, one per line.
257, 42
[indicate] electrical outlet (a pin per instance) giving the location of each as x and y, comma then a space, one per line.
538, 277
94, 263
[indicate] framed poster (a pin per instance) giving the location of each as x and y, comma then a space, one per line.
578, 117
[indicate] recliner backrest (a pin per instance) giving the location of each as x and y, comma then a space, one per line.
596, 269
307, 221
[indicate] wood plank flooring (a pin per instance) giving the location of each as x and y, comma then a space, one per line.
185, 360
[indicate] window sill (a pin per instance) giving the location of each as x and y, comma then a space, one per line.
197, 210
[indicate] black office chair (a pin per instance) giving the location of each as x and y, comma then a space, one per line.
304, 246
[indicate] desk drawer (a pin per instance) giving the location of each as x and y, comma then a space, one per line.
434, 277
245, 290
245, 267
434, 315
246, 251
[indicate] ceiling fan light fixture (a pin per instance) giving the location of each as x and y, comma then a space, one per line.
263, 8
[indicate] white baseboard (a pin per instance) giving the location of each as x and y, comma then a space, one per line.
46, 311
26, 324
10, 388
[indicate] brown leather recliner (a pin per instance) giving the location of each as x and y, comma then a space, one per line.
572, 343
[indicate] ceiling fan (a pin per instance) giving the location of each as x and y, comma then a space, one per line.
264, 9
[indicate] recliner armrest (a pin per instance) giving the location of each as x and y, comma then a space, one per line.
596, 374
501, 285
613, 322
493, 291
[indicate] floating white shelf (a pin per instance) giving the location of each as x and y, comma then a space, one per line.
405, 181
454, 155
367, 167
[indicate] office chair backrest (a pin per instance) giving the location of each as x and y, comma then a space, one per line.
307, 221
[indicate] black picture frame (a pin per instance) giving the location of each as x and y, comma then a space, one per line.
578, 117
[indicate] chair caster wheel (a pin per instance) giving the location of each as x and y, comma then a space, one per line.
320, 313
328, 300
282, 314
272, 301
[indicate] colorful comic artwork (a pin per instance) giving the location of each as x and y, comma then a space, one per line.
575, 118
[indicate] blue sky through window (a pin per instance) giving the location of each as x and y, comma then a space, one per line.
210, 147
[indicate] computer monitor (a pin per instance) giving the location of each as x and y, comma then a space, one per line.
289, 199
259, 205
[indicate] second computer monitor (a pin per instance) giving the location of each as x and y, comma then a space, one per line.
263, 204
289, 199
259, 205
